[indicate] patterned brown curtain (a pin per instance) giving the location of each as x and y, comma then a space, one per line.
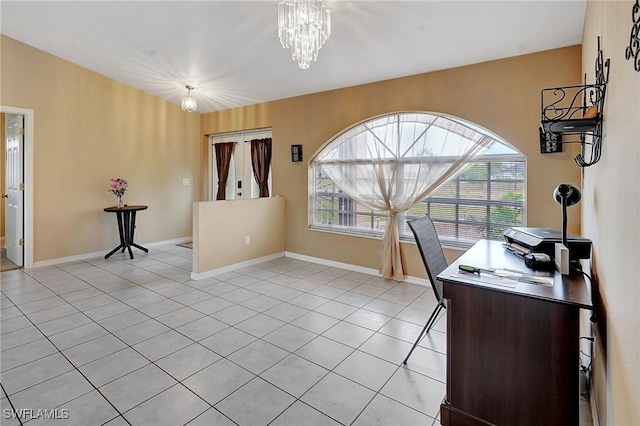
261, 162
224, 150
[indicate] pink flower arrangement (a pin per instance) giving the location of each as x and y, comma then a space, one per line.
118, 186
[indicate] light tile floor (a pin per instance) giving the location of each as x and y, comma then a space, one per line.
286, 342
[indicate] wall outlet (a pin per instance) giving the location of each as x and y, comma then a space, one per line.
247, 240
185, 181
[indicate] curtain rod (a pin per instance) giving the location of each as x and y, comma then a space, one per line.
236, 142
225, 134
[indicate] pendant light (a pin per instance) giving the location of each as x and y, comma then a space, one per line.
189, 103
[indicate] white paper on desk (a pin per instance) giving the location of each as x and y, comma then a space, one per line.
525, 278
488, 279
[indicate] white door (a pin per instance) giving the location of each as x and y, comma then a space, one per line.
14, 181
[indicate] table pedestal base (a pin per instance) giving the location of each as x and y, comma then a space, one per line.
126, 227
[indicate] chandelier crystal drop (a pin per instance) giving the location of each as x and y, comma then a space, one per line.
303, 27
188, 103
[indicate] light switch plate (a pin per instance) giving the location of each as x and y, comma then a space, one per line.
185, 181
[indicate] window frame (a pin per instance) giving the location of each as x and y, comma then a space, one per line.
360, 211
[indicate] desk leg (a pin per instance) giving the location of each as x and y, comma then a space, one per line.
121, 231
133, 230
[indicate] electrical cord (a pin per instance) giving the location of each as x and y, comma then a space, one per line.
586, 369
591, 339
575, 266
594, 317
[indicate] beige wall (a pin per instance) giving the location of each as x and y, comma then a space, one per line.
87, 129
503, 96
220, 229
610, 213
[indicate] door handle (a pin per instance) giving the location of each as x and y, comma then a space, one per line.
5, 195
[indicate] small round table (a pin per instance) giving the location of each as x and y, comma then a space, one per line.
126, 225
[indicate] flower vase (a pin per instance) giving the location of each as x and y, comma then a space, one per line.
120, 204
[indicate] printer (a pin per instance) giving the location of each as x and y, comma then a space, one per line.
522, 241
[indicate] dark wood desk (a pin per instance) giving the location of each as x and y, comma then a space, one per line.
126, 226
512, 353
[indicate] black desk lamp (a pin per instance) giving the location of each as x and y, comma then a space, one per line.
567, 195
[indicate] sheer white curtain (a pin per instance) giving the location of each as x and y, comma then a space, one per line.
390, 163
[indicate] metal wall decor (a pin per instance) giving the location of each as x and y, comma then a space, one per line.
576, 110
633, 50
296, 153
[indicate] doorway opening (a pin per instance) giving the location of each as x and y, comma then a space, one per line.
17, 187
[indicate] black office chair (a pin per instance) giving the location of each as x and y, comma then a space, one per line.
434, 262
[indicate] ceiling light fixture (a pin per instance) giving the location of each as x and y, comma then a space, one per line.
303, 27
188, 103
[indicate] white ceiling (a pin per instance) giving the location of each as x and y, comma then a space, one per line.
229, 50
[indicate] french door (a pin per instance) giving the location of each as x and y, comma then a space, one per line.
241, 184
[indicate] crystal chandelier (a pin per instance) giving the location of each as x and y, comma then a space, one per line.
303, 27
188, 103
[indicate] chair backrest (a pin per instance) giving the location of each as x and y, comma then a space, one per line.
430, 250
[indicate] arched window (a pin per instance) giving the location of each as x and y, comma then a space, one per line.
480, 198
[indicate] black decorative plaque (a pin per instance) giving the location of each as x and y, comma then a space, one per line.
296, 153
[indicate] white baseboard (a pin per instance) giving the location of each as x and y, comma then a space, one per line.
87, 256
167, 242
303, 257
68, 259
230, 268
236, 266
350, 267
